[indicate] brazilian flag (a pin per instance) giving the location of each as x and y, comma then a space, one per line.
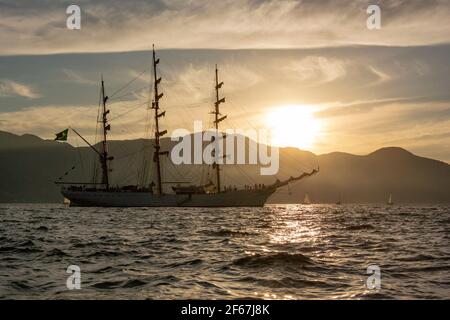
62, 136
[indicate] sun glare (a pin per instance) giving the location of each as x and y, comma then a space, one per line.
293, 126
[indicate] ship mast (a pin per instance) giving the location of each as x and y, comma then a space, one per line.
104, 152
217, 120
158, 114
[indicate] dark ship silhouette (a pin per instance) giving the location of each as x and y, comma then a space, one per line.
211, 194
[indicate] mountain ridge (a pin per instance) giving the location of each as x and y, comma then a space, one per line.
30, 165
29, 136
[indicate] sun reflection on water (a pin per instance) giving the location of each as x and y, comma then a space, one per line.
289, 228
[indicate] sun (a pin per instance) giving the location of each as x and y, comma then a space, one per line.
293, 126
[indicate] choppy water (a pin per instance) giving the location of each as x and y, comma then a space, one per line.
277, 252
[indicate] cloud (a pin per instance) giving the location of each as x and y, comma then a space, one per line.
359, 107
194, 83
9, 88
316, 70
76, 77
424, 138
113, 25
365, 96
44, 121
381, 77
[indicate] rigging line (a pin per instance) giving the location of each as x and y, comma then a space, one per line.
247, 175
201, 98
132, 153
127, 84
142, 175
126, 105
178, 169
200, 104
136, 92
79, 153
182, 84
129, 111
126, 100
238, 167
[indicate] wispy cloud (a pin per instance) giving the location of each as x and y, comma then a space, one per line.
113, 25
381, 77
315, 70
9, 88
358, 107
76, 77
46, 120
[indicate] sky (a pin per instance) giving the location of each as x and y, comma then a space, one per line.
307, 69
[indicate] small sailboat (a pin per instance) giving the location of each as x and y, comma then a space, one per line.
306, 199
390, 201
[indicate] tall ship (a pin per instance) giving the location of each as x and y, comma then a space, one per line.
210, 194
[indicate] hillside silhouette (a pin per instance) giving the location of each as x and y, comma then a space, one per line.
30, 166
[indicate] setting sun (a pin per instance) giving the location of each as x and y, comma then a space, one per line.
293, 126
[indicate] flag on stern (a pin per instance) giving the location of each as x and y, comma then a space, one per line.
62, 136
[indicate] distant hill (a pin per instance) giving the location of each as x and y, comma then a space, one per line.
373, 177
29, 166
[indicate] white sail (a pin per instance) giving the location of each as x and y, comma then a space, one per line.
306, 199
390, 202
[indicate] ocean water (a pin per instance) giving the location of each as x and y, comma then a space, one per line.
276, 252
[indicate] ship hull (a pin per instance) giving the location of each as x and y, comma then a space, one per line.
240, 198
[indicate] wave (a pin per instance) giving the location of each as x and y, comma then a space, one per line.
26, 243
419, 257
20, 285
185, 263
107, 269
105, 254
57, 253
360, 227
19, 250
279, 258
374, 296
130, 283
107, 284
134, 283
167, 280
426, 269
227, 233
287, 282
22, 247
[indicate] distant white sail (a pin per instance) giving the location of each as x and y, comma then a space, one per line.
306, 199
390, 202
